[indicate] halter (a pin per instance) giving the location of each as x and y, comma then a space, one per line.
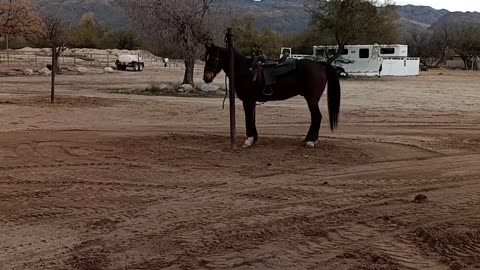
217, 62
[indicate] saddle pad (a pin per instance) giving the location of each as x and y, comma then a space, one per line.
284, 68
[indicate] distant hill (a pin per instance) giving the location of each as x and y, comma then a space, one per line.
284, 16
105, 11
420, 14
457, 17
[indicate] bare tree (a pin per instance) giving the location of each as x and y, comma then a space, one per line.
55, 36
185, 23
465, 41
431, 46
348, 21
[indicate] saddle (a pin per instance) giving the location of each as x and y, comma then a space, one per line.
268, 72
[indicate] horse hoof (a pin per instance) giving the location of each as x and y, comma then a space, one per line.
249, 142
310, 144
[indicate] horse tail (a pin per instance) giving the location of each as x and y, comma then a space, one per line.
334, 95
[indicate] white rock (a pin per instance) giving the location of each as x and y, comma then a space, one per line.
108, 70
45, 71
27, 72
164, 86
82, 70
209, 87
11, 73
185, 88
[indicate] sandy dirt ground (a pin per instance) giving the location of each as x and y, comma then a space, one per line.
110, 181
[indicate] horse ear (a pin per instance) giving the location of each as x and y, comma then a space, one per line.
208, 44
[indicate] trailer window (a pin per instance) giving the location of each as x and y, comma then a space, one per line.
364, 53
387, 51
320, 52
332, 52
344, 51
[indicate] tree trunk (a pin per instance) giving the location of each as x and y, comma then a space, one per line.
54, 70
189, 68
332, 58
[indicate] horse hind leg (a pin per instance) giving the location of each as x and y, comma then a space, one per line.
316, 119
252, 135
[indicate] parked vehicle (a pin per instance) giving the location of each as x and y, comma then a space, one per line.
125, 61
287, 53
366, 60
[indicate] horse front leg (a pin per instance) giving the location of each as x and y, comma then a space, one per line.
252, 135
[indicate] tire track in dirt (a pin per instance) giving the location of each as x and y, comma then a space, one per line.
64, 165
222, 216
399, 245
345, 237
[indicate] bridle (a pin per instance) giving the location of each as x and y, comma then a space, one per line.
215, 69
217, 62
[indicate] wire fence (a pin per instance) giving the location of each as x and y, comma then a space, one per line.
38, 59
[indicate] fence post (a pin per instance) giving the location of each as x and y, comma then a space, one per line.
231, 79
8, 53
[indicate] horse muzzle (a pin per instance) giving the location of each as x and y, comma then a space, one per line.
208, 77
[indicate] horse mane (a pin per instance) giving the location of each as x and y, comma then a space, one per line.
238, 57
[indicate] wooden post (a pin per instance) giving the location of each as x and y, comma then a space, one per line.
231, 79
8, 53
54, 71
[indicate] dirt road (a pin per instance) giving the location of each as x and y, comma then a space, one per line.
108, 181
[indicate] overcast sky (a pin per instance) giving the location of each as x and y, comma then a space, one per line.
452, 5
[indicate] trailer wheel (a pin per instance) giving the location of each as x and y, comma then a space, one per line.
135, 67
140, 67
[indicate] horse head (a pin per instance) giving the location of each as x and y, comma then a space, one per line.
214, 61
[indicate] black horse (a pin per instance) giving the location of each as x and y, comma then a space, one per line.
308, 80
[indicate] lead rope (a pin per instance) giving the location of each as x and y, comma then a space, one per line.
226, 93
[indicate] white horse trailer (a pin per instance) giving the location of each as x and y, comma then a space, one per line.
400, 66
359, 60
288, 51
369, 60
396, 61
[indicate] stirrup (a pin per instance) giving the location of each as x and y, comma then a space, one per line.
268, 93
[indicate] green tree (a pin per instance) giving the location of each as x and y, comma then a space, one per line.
303, 43
121, 39
359, 21
248, 39
88, 33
